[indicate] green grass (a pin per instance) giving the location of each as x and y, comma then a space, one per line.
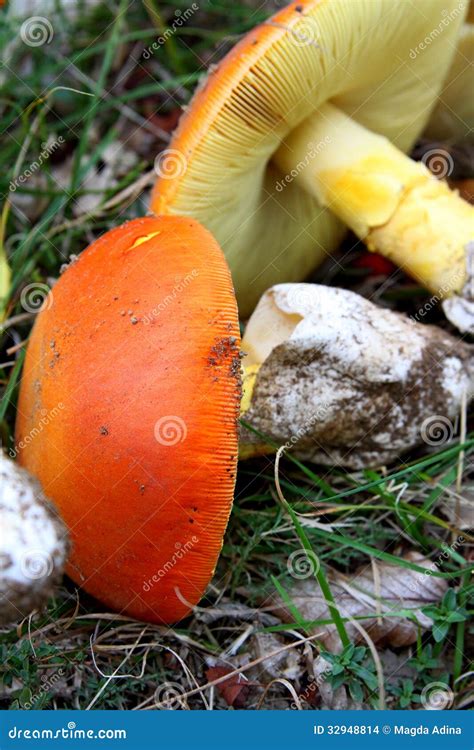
80, 88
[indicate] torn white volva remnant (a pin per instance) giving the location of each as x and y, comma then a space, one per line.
33, 543
459, 308
346, 382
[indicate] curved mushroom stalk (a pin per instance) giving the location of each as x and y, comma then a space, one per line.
33, 544
395, 205
345, 382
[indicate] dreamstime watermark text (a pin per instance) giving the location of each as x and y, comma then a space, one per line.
180, 19
448, 17
46, 150
45, 419
71, 732
181, 550
314, 150
177, 289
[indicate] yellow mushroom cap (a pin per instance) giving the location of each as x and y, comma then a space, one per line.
383, 63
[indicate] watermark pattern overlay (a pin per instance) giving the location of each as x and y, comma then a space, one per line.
312, 687
437, 696
35, 297
305, 32
303, 564
446, 554
181, 550
36, 564
36, 31
170, 430
447, 18
318, 416
237, 627
437, 430
435, 299
168, 696
178, 288
439, 162
313, 150
45, 419
170, 164
47, 684
47, 149
181, 17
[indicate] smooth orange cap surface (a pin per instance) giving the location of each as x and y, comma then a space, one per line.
128, 413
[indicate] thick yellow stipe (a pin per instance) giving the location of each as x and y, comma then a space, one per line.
367, 193
249, 450
395, 205
428, 235
249, 376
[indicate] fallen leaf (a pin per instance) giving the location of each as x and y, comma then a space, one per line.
360, 594
285, 664
460, 508
335, 700
235, 690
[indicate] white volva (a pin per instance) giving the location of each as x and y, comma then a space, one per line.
33, 543
346, 382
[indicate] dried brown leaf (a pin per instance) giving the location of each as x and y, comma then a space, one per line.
285, 664
363, 594
235, 690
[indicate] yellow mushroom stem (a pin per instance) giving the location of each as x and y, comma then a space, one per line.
395, 205
250, 450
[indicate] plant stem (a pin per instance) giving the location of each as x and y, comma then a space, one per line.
460, 632
318, 573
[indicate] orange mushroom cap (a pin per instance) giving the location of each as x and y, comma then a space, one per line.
132, 379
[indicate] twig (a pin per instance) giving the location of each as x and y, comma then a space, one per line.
235, 672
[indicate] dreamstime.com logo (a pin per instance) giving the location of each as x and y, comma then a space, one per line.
71, 732
437, 696
170, 430
170, 163
437, 430
36, 31
439, 162
302, 564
